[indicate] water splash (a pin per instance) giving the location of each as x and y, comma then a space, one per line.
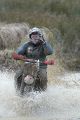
57, 102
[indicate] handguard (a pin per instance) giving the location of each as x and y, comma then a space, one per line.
49, 62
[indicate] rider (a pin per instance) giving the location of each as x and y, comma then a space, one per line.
35, 48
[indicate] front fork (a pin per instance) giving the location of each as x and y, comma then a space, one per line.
23, 83
22, 86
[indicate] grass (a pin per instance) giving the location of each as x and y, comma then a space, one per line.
62, 15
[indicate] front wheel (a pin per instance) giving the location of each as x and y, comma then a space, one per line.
27, 84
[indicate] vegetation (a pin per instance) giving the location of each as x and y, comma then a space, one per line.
61, 15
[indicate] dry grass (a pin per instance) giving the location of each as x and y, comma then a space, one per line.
54, 71
7, 62
12, 34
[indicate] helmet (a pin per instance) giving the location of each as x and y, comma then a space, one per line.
35, 30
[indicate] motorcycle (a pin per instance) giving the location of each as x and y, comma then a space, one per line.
30, 79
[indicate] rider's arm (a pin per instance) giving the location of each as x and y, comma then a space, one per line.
20, 53
21, 49
48, 50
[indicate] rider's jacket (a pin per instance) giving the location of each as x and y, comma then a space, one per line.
35, 51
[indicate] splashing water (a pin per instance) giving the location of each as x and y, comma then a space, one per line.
58, 102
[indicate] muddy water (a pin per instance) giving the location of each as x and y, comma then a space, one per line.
59, 102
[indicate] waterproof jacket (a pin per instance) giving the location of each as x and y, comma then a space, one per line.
35, 51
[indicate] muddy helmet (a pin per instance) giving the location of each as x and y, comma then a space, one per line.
35, 30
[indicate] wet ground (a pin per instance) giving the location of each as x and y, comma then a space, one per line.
59, 102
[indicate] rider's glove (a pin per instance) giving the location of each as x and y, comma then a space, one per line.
17, 56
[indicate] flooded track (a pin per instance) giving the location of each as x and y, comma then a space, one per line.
59, 102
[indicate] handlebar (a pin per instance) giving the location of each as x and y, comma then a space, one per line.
46, 62
23, 58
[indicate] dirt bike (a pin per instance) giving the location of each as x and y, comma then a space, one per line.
30, 79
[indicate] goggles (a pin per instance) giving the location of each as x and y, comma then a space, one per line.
35, 33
